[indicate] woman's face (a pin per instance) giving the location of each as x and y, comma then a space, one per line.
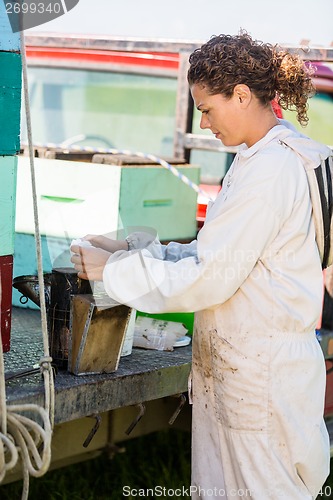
225, 117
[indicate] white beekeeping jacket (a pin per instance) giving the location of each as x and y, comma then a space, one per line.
256, 247
254, 279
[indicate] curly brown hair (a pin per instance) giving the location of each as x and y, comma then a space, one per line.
225, 61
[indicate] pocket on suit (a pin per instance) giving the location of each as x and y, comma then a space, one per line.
240, 386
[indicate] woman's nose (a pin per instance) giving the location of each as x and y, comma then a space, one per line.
204, 122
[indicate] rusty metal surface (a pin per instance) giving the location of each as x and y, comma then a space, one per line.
199, 141
142, 376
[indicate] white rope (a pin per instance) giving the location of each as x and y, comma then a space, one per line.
21, 435
127, 152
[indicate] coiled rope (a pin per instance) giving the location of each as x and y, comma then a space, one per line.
20, 435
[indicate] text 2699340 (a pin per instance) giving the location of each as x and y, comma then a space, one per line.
33, 7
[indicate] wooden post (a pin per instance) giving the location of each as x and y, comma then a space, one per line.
10, 112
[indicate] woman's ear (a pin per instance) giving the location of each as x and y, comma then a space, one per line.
243, 94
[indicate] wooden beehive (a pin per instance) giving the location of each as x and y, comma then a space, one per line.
98, 328
77, 198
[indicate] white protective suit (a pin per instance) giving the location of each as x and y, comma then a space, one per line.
254, 279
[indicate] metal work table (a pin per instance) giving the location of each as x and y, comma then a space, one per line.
144, 375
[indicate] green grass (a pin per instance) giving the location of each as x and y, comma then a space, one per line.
161, 459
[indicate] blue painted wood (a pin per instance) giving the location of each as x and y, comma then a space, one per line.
10, 111
8, 171
10, 102
9, 41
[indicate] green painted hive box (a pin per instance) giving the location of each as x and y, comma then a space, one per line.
77, 198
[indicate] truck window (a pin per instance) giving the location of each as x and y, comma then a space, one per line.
102, 109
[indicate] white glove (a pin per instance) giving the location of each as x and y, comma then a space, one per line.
81, 243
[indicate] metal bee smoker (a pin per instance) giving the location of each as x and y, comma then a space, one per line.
64, 283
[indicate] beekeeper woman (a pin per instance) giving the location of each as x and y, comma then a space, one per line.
253, 278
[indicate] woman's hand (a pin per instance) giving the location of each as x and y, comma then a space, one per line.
100, 241
89, 262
